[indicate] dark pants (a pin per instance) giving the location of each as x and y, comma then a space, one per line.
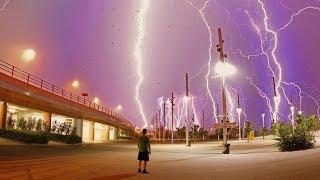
143, 156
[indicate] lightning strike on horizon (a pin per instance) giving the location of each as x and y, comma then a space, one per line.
201, 12
263, 95
277, 99
138, 57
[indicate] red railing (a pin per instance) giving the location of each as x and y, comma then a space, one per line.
30, 79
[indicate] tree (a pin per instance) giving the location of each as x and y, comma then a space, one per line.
22, 124
181, 132
203, 133
10, 122
219, 133
195, 131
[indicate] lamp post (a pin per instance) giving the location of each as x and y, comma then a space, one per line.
224, 69
292, 117
239, 111
263, 115
186, 99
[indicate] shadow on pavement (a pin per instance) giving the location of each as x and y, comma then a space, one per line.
118, 176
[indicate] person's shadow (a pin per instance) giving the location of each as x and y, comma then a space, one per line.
118, 176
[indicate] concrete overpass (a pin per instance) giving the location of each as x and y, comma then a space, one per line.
23, 89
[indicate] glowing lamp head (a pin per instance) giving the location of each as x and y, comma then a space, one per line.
224, 69
300, 112
186, 99
263, 115
28, 55
75, 84
291, 108
239, 110
119, 108
96, 100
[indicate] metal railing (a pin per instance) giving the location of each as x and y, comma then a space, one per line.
32, 80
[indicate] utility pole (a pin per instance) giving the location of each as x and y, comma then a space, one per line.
159, 124
292, 113
156, 132
202, 124
223, 90
164, 122
187, 110
239, 110
263, 115
172, 105
275, 116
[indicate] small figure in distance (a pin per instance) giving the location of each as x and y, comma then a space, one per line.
144, 151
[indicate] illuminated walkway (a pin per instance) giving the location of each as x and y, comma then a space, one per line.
255, 160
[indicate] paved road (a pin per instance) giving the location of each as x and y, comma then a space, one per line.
254, 160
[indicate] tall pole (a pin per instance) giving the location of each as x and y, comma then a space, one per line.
223, 89
203, 124
239, 110
187, 110
292, 113
164, 122
156, 132
172, 105
263, 115
275, 116
159, 124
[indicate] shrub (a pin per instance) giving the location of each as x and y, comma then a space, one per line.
10, 122
290, 140
300, 138
69, 139
31, 124
27, 137
22, 124
39, 126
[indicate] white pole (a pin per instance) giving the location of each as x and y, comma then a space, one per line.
239, 110
263, 124
292, 117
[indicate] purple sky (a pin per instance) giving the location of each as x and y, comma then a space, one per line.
93, 41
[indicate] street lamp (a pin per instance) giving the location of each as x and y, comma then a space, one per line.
75, 84
300, 112
239, 111
28, 55
292, 116
263, 115
119, 108
96, 100
223, 69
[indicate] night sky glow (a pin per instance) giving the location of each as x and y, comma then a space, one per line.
134, 53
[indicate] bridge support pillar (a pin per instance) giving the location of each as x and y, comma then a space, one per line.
47, 118
91, 130
3, 114
107, 132
78, 123
116, 130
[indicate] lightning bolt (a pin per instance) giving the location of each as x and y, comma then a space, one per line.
277, 99
205, 21
138, 57
297, 14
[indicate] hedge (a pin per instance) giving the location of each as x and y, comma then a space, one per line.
69, 139
24, 136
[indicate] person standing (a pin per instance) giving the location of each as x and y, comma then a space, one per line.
144, 151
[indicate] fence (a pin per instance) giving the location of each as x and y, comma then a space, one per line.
30, 79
